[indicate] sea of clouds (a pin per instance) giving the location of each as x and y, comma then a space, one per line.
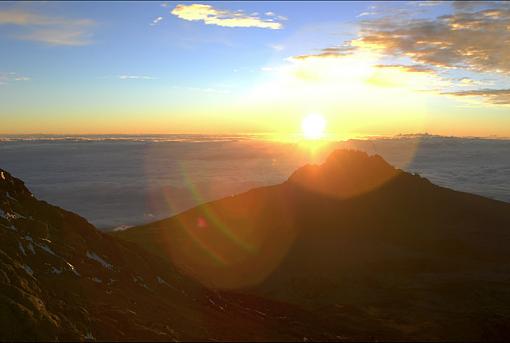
120, 181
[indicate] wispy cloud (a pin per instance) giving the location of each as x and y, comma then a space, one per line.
136, 77
429, 3
277, 47
58, 37
226, 18
363, 14
156, 21
331, 52
48, 29
9, 77
414, 68
493, 96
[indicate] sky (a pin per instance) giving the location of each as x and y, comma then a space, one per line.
368, 68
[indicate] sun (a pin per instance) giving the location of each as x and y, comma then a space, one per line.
313, 126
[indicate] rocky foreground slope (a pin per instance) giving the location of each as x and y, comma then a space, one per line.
373, 252
61, 279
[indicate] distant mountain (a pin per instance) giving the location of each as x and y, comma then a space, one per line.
61, 279
372, 251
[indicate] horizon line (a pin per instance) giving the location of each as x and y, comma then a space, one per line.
330, 136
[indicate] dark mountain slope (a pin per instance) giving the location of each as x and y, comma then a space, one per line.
61, 279
380, 252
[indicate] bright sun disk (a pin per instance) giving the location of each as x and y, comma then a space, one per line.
313, 126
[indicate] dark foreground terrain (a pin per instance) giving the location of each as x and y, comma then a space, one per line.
61, 279
353, 249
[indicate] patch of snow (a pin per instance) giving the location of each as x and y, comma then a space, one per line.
10, 226
31, 248
14, 215
11, 198
93, 256
42, 246
2, 214
72, 269
46, 240
137, 278
55, 270
139, 281
28, 270
260, 313
2, 175
216, 305
98, 280
21, 248
10, 216
46, 248
161, 281
88, 335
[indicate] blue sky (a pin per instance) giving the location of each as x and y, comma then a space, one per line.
105, 67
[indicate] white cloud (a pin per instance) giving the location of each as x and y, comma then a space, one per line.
10, 77
136, 77
363, 14
156, 21
277, 47
226, 18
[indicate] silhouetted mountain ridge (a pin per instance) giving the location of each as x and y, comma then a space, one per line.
386, 253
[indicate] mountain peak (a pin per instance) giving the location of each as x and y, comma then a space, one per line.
345, 173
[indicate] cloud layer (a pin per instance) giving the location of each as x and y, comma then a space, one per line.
474, 38
226, 18
478, 41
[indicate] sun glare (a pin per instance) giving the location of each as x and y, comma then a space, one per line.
313, 126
